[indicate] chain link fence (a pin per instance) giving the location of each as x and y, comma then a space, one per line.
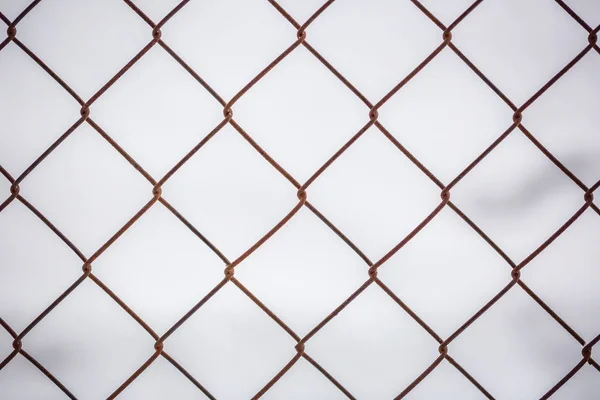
159, 199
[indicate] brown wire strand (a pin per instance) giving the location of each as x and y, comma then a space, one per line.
301, 188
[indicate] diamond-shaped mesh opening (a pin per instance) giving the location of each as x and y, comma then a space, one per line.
303, 130
443, 128
66, 342
303, 272
27, 91
518, 197
373, 192
156, 112
87, 189
47, 269
476, 271
129, 125
139, 260
210, 180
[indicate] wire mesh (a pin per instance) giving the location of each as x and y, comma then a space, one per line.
158, 199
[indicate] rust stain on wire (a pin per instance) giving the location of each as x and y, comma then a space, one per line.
371, 119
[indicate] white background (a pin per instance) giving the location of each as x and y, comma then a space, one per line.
301, 114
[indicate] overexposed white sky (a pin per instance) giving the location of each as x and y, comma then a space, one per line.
300, 114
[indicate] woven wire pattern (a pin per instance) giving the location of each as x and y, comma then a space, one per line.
159, 199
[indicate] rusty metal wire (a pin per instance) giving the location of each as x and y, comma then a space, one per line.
371, 276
